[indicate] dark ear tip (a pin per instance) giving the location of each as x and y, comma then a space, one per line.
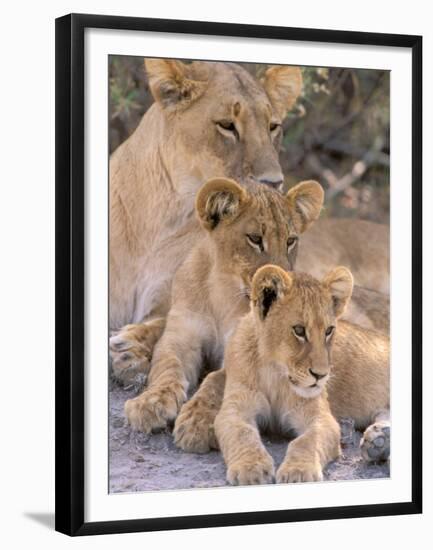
269, 297
269, 283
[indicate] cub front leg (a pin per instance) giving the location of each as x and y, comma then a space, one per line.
175, 366
306, 456
247, 460
131, 350
194, 427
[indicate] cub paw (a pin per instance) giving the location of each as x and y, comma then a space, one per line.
376, 442
297, 472
130, 356
193, 430
251, 472
152, 410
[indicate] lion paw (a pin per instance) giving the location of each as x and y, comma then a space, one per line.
299, 472
130, 355
251, 472
152, 410
376, 441
193, 430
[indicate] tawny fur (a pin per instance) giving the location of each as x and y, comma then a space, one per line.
276, 378
360, 245
242, 230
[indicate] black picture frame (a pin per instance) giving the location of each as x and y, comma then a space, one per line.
70, 282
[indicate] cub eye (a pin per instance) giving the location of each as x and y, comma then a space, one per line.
291, 241
329, 331
299, 331
227, 126
256, 241
274, 126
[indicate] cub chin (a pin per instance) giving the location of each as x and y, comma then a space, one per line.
277, 365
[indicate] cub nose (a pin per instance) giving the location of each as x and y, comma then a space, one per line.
316, 375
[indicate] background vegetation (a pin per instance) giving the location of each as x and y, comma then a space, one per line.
338, 132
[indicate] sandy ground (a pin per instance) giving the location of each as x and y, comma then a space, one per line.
141, 462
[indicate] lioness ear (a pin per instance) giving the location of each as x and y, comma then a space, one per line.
283, 85
219, 199
305, 201
270, 282
172, 82
339, 282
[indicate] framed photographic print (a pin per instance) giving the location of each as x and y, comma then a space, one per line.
238, 274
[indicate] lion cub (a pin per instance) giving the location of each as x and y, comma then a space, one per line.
277, 365
244, 229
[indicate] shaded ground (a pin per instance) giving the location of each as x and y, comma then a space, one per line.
141, 462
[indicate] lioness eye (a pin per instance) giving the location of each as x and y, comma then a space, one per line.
299, 330
329, 331
274, 126
256, 241
228, 126
291, 241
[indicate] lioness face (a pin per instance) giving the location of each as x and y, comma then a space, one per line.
224, 121
252, 227
297, 317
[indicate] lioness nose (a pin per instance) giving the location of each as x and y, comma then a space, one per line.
273, 180
316, 375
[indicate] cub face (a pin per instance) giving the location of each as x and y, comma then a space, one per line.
227, 122
296, 317
254, 226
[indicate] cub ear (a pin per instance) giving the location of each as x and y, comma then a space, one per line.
283, 85
306, 201
173, 82
218, 200
270, 283
339, 282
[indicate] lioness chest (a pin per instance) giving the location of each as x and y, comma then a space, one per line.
155, 269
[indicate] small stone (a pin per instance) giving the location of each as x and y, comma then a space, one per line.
117, 422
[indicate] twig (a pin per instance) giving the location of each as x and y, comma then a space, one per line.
349, 149
317, 167
338, 185
358, 170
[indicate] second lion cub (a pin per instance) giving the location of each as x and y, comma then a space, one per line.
277, 364
243, 229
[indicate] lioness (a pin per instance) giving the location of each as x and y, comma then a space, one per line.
276, 366
208, 119
243, 230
